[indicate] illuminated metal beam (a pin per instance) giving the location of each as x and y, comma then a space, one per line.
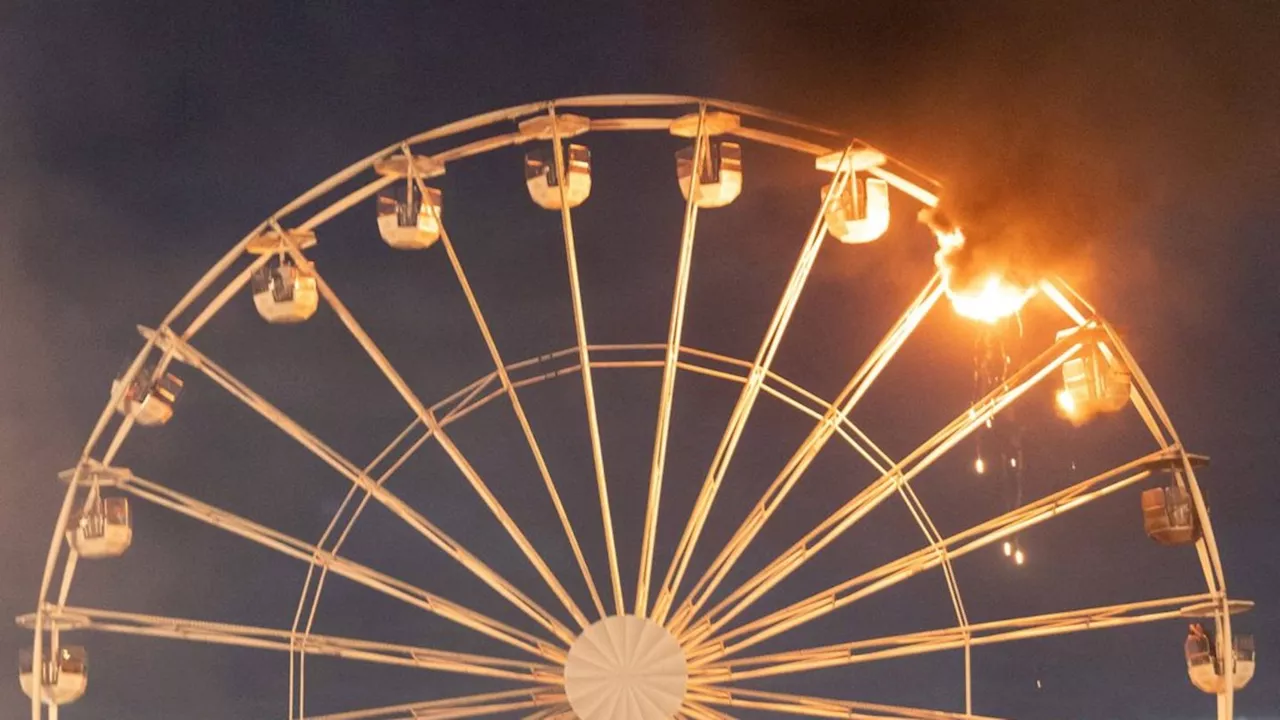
555, 712
461, 403
887, 484
584, 359
953, 547
930, 641
465, 706
700, 711
809, 706
517, 407
666, 395
450, 448
165, 497
808, 450
194, 358
746, 399
76, 619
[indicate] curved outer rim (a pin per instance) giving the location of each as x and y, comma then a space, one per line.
898, 174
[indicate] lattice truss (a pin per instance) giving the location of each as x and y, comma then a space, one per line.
700, 611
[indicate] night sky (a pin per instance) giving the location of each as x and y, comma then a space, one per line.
1138, 149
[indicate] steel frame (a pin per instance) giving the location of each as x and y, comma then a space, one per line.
711, 643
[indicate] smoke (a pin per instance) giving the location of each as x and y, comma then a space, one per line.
1057, 130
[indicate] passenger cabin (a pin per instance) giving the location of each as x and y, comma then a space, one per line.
284, 293
101, 530
860, 214
720, 179
1169, 516
405, 220
1092, 385
1205, 667
544, 184
63, 677
149, 401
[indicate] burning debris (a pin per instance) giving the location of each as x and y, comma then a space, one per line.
982, 283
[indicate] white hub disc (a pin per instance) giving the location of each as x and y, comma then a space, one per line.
625, 668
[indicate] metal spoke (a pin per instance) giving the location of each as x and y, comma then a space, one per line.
458, 707
1000, 631
584, 358
750, 391
555, 712
804, 455
94, 619
902, 473
666, 395
298, 667
194, 358
948, 549
517, 407
810, 706
464, 466
297, 549
700, 711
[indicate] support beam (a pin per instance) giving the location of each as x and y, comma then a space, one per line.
951, 548
584, 359
77, 619
185, 353
299, 550
809, 706
701, 711
298, 660
666, 396
516, 406
458, 707
429, 419
887, 484
747, 398
930, 641
803, 457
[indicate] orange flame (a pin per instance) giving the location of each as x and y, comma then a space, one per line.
989, 297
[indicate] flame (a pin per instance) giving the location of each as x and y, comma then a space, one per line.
1067, 402
987, 298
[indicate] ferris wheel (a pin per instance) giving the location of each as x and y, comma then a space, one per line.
689, 613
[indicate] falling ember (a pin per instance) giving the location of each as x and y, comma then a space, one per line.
983, 294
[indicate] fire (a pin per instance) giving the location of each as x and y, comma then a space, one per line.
994, 300
987, 296
1067, 403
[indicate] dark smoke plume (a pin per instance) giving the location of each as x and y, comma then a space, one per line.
1056, 128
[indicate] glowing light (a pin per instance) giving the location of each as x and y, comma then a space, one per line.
1018, 557
994, 299
1066, 402
1008, 549
979, 466
1013, 462
987, 298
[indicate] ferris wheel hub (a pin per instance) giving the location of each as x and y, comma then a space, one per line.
625, 668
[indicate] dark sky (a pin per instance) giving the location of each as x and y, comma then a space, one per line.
1136, 146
